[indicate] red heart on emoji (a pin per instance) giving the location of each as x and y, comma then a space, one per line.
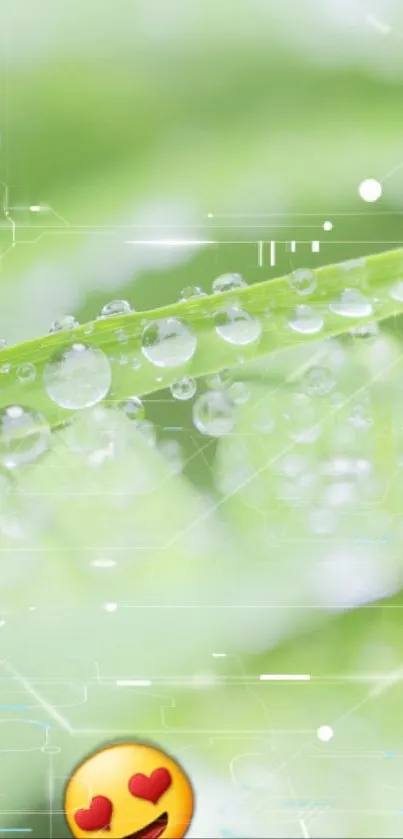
151, 788
97, 817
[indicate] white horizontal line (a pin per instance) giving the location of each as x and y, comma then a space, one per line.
290, 677
219, 655
133, 683
169, 243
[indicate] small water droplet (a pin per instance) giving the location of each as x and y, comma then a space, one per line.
301, 418
220, 380
191, 293
123, 360
148, 430
89, 328
184, 389
318, 381
238, 393
121, 336
5, 369
114, 309
3, 343
172, 452
306, 321
360, 416
168, 343
26, 373
303, 281
365, 330
133, 408
237, 326
24, 436
228, 282
352, 304
214, 414
136, 364
63, 324
77, 377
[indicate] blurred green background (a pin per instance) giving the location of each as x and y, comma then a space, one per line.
232, 122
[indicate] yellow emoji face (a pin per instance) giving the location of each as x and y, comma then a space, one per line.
128, 791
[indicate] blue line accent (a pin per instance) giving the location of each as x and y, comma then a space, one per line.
14, 707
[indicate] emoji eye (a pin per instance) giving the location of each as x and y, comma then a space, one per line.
150, 787
97, 816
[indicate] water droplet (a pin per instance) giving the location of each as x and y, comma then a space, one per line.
306, 321
172, 452
136, 364
238, 393
77, 377
214, 414
228, 282
89, 328
3, 343
133, 408
147, 429
5, 369
301, 418
303, 281
168, 343
26, 373
365, 330
318, 381
360, 416
237, 326
184, 389
96, 434
396, 292
65, 323
220, 380
115, 308
24, 436
121, 336
352, 304
191, 293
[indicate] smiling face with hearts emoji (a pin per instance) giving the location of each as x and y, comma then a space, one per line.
128, 791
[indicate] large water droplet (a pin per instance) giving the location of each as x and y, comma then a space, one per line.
214, 414
184, 389
115, 308
63, 324
303, 281
352, 304
77, 377
228, 282
168, 343
318, 381
237, 326
191, 293
24, 436
306, 321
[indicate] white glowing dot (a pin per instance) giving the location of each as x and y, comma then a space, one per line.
328, 225
325, 733
110, 607
370, 190
210, 215
35, 208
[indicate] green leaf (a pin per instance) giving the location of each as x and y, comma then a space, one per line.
273, 303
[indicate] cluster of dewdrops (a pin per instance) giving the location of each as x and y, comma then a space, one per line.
79, 376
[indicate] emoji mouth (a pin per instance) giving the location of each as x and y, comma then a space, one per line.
151, 831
